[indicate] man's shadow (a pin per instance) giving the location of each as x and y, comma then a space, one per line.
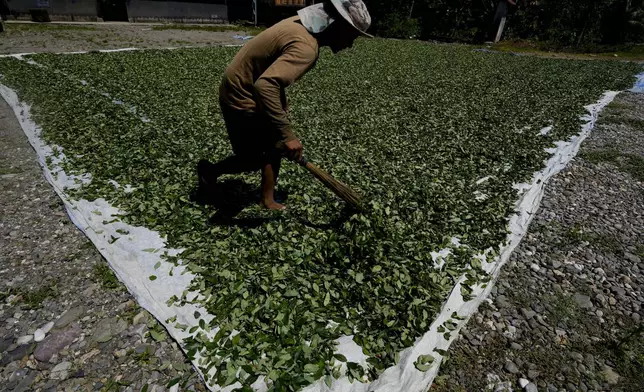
230, 197
335, 223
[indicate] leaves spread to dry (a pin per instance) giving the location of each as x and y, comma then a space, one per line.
411, 126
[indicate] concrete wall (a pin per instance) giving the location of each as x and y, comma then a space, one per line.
73, 7
138, 10
56, 7
174, 10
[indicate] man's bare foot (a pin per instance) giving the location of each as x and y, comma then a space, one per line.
272, 205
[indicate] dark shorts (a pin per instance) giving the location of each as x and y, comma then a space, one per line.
250, 133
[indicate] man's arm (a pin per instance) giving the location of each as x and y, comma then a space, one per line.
294, 62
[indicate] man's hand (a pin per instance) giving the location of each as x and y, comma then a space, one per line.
293, 150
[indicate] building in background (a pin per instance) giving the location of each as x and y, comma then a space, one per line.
272, 11
63, 9
186, 11
268, 11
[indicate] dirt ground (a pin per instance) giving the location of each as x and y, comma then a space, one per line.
634, 53
27, 37
59, 37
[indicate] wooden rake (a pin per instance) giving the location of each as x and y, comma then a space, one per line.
341, 190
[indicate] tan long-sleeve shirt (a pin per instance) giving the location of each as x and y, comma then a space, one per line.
256, 78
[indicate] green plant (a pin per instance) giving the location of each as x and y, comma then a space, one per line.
563, 310
114, 385
396, 26
552, 24
634, 333
143, 358
576, 235
630, 163
156, 332
640, 250
7, 170
33, 299
5, 294
104, 275
627, 352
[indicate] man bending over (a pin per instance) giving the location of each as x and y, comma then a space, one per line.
252, 93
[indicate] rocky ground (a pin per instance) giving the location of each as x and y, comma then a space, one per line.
66, 322
566, 313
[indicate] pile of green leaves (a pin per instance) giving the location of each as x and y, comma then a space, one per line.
411, 126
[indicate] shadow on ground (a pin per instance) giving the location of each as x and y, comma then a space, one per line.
230, 197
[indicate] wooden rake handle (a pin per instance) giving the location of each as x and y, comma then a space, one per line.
341, 190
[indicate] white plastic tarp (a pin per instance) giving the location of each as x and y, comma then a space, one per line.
134, 258
639, 84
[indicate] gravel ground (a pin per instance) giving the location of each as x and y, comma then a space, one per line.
28, 38
571, 293
566, 313
66, 323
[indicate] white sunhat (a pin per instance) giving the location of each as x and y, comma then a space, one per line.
316, 19
355, 12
